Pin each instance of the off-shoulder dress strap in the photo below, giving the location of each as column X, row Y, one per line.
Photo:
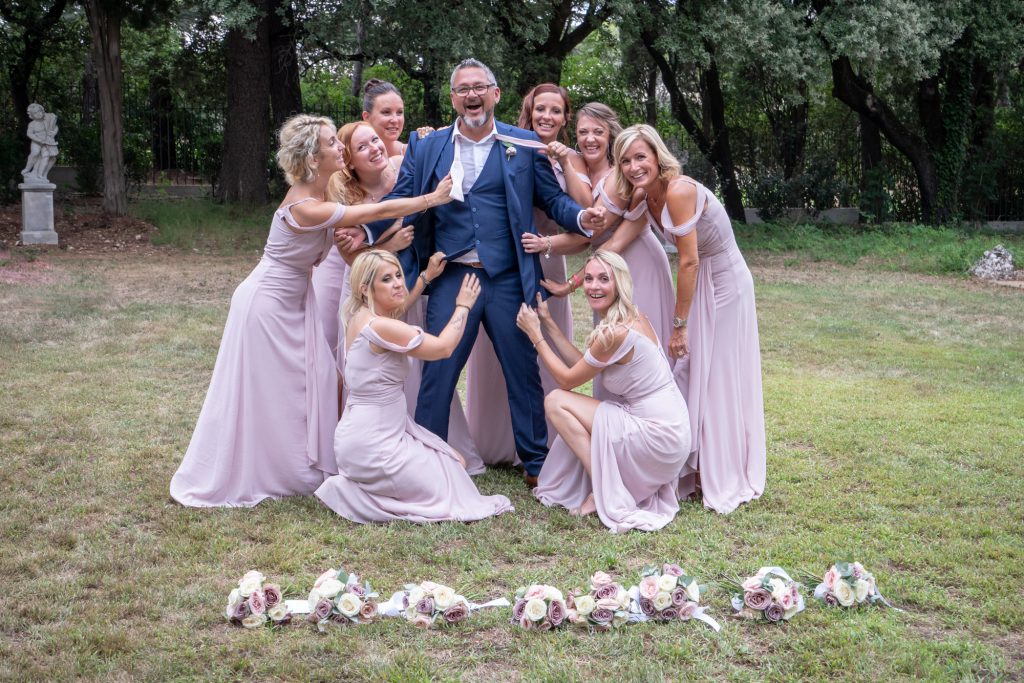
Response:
column 372, row 335
column 286, row 216
column 686, row 227
column 630, row 214
column 624, row 348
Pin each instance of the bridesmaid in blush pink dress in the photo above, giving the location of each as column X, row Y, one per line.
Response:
column 265, row 427
column 546, row 110
column 390, row 468
column 714, row 333
column 620, row 458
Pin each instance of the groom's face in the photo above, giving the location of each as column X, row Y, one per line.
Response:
column 475, row 109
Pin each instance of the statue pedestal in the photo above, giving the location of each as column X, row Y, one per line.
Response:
column 37, row 213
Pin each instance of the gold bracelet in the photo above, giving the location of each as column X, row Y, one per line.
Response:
column 538, row 342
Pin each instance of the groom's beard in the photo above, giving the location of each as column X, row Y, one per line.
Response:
column 479, row 121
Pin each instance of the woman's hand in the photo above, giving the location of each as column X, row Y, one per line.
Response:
column 679, row 343
column 435, row 266
column 535, row 244
column 557, row 288
column 349, row 238
column 469, row 292
column 560, row 153
column 528, row 322
column 424, row 131
column 542, row 310
column 441, row 195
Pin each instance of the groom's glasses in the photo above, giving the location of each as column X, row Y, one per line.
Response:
column 478, row 89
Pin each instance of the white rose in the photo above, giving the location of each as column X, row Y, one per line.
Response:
column 693, row 591
column 428, row 586
column 313, row 599
column 233, row 600
column 410, row 611
column 551, row 593
column 443, row 597
column 254, row 620
column 623, row 598
column 253, row 575
column 662, row 600
column 277, row 612
column 536, row 609
column 249, row 584
column 844, row 594
column 349, row 604
column 415, row 595
column 788, row 614
column 667, row 583
column 779, row 589
column 862, row 589
column 329, row 588
column 585, row 605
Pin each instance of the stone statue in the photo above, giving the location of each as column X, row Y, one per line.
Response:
column 42, row 131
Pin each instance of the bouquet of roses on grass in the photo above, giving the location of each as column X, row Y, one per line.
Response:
column 770, row 593
column 254, row 603
column 340, row 598
column 605, row 606
column 668, row 593
column 539, row 607
column 431, row 603
column 847, row 584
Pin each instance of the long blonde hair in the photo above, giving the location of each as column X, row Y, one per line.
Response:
column 344, row 186
column 622, row 311
column 361, row 275
column 668, row 165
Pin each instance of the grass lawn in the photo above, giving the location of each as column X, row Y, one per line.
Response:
column 895, row 416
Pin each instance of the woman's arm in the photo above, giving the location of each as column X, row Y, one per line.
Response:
column 563, row 346
column 316, row 213
column 568, row 378
column 681, row 200
column 562, row 244
column 571, row 167
column 618, row 242
column 435, row 266
column 441, row 346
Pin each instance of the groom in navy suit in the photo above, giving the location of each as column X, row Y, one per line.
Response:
column 498, row 180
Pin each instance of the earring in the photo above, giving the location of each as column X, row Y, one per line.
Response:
column 577, row 148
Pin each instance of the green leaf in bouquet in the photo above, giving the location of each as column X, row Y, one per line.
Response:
column 649, row 570
column 520, row 592
column 845, row 569
column 342, row 576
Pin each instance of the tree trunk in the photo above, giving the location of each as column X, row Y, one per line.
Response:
column 720, row 153
column 106, row 44
column 431, row 100
column 357, row 67
column 872, row 185
column 651, row 100
column 243, row 178
column 285, row 91
column 161, row 109
column 90, row 91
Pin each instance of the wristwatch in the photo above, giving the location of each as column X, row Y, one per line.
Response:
column 678, row 323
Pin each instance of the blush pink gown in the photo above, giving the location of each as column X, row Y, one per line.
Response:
column 639, row 444
column 390, row 468
column 265, row 429
column 721, row 376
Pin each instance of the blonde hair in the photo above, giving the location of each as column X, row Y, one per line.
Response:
column 605, row 115
column 622, row 311
column 298, row 142
column 668, row 165
column 344, row 186
column 362, row 274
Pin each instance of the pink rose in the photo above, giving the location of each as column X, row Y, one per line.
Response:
column 517, row 610
column 599, row 579
column 535, row 592
column 678, row 597
column 757, row 599
column 368, row 611
column 787, row 600
column 544, row 625
column 556, row 612
column 323, row 609
column 672, row 569
column 752, row 583
column 526, row 623
column 608, row 590
column 421, row 621
column 649, row 587
column 570, row 599
column 456, row 613
column 687, row 610
column 831, row 576
column 774, row 612
column 271, row 594
column 329, row 574
column 257, row 603
column 647, row 607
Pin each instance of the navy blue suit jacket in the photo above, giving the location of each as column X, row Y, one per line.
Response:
column 529, row 182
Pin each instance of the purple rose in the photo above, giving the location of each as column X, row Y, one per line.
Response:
column 425, row 606
column 257, row 603
column 368, row 611
column 271, row 594
column 669, row 614
column 758, row 599
column 672, row 569
column 647, row 607
column 678, row 597
column 323, row 609
column 602, row 615
column 831, row 600
column 545, row 625
column 774, row 612
column 517, row 610
column 556, row 612
column 570, row 599
column 687, row 610
column 340, row 619
column 357, row 590
column 241, row 611
column 456, row 613
column 526, row 623
column 405, row 600
column 609, row 590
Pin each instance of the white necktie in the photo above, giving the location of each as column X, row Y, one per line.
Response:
column 458, row 173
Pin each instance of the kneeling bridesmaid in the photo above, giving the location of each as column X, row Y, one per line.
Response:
column 621, row 458
column 389, row 467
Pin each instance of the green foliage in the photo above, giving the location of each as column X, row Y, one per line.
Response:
column 203, row 224
column 81, row 147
